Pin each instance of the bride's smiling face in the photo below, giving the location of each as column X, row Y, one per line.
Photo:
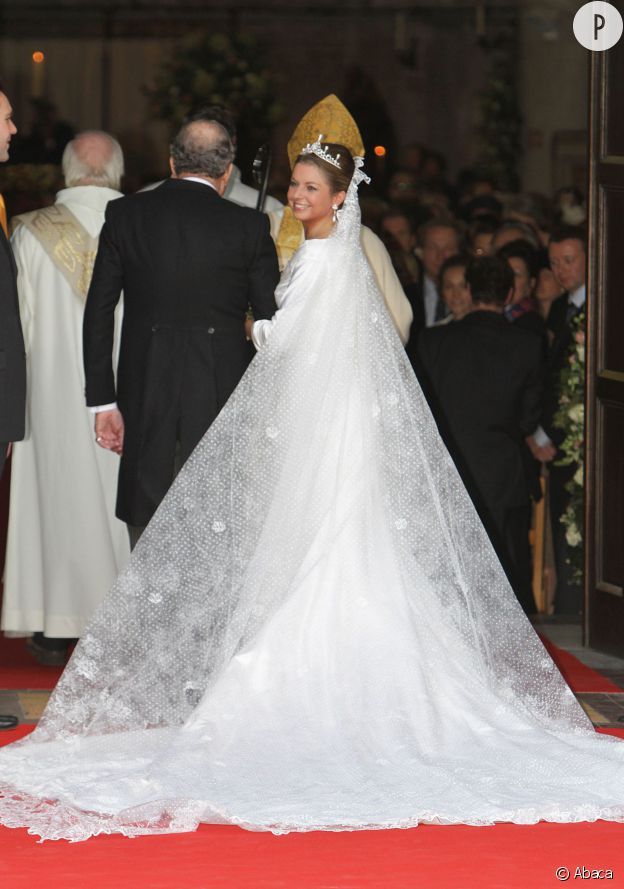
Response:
column 310, row 196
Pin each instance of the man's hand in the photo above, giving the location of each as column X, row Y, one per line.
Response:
column 109, row 430
column 544, row 453
column 249, row 323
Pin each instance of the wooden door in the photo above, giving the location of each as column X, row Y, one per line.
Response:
column 604, row 514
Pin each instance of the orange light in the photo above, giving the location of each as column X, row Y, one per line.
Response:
column 379, row 150
column 38, row 57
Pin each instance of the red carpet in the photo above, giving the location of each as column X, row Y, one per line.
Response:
column 505, row 857
column 18, row 668
column 501, row 857
column 579, row 677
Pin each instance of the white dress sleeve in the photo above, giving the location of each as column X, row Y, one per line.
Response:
column 260, row 332
column 291, row 288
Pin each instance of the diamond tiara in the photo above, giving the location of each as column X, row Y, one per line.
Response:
column 317, row 149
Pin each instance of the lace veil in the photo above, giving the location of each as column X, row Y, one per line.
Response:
column 226, row 544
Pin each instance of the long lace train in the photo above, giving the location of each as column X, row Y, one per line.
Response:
column 314, row 631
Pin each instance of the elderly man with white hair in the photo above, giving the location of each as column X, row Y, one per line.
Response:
column 65, row 545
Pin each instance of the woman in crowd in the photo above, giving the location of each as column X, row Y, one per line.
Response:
column 522, row 310
column 454, row 289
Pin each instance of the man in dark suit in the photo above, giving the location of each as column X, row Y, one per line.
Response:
column 438, row 239
column 12, row 358
column 483, row 378
column 567, row 255
column 189, row 264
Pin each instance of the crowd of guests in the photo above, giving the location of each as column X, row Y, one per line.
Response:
column 511, row 269
column 490, row 284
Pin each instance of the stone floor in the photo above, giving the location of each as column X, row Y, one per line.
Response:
column 26, row 704
column 604, row 710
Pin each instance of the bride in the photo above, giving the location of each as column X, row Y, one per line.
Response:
column 314, row 631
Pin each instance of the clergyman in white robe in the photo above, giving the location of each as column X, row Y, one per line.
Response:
column 65, row 546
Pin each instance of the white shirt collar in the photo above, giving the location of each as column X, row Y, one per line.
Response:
column 95, row 197
column 577, row 297
column 430, row 297
column 202, row 181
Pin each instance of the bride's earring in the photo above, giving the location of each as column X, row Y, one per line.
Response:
column 335, row 213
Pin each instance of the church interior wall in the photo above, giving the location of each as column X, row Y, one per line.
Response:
column 417, row 92
column 428, row 74
column 553, row 88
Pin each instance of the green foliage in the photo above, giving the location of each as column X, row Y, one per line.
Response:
column 500, row 127
column 571, row 419
column 217, row 69
column 30, row 178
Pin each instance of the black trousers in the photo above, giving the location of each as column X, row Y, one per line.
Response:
column 135, row 531
column 516, row 557
column 508, row 530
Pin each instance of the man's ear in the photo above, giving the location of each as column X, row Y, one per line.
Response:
column 221, row 183
column 174, row 175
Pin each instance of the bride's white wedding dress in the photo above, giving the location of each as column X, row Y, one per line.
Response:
column 314, row 631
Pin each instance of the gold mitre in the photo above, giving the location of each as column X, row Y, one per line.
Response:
column 331, row 118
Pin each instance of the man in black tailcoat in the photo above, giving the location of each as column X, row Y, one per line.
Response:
column 483, row 378
column 189, row 264
column 567, row 256
column 12, row 358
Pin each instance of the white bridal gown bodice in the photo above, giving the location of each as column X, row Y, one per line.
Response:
column 314, row 631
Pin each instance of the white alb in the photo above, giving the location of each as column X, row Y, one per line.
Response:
column 65, row 547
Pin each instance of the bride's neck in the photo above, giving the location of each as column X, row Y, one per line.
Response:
column 320, row 228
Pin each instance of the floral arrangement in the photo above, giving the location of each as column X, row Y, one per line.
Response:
column 571, row 419
column 30, row 178
column 217, row 69
column 500, row 125
column 28, row 187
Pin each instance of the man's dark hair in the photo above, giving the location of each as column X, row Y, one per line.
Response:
column 481, row 206
column 483, row 225
column 521, row 249
column 459, row 261
column 203, row 147
column 218, row 113
column 569, row 233
column 395, row 212
column 490, row 279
